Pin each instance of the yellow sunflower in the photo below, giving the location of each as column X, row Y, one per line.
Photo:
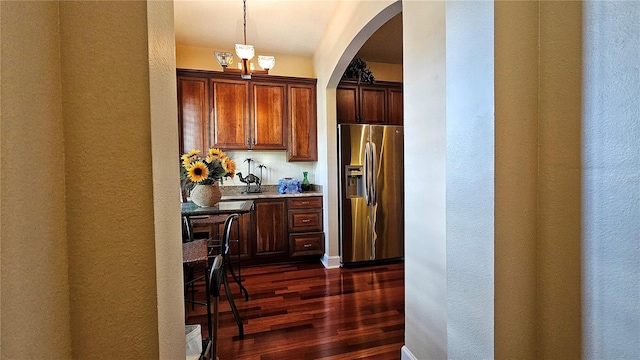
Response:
column 190, row 156
column 216, row 153
column 230, row 166
column 198, row 171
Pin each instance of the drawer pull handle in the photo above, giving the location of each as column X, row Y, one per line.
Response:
column 306, row 220
column 305, row 203
column 307, row 245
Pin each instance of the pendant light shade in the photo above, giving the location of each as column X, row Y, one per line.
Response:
column 266, row 62
column 224, row 58
column 245, row 52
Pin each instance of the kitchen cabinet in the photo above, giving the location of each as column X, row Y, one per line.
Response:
column 217, row 109
column 305, row 226
column 373, row 104
column 268, row 121
column 377, row 103
column 193, row 107
column 238, row 126
column 302, row 123
column 396, row 106
column 270, row 233
column 229, row 114
column 347, row 104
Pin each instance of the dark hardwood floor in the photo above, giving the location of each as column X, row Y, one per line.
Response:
column 304, row 311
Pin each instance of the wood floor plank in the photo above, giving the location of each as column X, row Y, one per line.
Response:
column 304, row 311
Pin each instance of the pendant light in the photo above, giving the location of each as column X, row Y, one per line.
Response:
column 245, row 52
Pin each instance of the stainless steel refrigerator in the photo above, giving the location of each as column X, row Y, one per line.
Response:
column 371, row 193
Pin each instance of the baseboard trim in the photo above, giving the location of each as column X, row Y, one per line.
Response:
column 331, row 262
column 406, row 354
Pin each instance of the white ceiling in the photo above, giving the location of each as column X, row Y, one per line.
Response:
column 274, row 27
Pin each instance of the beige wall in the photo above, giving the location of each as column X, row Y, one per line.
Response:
column 79, row 247
column 538, row 87
column 385, row 72
column 35, row 295
column 164, row 143
column 559, row 181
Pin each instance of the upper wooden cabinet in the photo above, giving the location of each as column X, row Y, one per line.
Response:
column 268, row 121
column 229, row 114
column 396, row 112
column 302, row 123
column 378, row 103
column 268, row 112
column 193, row 108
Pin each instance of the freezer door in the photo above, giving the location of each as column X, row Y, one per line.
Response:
column 387, row 209
column 355, row 232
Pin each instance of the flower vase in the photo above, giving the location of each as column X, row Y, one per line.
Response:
column 305, row 182
column 206, row 195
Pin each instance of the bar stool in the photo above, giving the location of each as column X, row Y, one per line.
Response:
column 195, row 257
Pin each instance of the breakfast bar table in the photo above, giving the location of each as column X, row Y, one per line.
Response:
column 229, row 208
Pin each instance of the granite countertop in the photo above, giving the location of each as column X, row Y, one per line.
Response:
column 268, row 192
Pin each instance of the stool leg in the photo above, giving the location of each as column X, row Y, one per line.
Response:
column 208, row 301
column 236, row 315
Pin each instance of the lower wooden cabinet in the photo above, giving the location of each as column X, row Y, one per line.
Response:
column 281, row 230
column 270, row 227
column 305, row 226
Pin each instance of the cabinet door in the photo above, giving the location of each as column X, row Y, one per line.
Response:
column 268, row 112
column 193, row 113
column 396, row 111
column 271, row 227
column 373, row 105
column 302, row 123
column 347, row 98
column 230, row 114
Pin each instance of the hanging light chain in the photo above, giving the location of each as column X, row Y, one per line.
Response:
column 244, row 9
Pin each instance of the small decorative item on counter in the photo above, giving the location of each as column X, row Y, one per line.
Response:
column 289, row 186
column 305, row 182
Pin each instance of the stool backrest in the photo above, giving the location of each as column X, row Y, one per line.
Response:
column 215, row 276
column 226, row 232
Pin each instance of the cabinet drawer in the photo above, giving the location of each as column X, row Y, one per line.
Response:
column 306, row 244
column 305, row 202
column 305, row 220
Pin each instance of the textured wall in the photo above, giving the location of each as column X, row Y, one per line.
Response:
column 110, row 218
column 558, row 247
column 35, row 297
column 470, row 179
column 426, row 186
column 516, row 134
column 611, row 180
column 164, row 145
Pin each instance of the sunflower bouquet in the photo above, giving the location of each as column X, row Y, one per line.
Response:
column 199, row 170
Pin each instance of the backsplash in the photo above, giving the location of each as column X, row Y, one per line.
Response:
column 276, row 167
column 237, row 190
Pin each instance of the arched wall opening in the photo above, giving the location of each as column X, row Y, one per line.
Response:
column 353, row 23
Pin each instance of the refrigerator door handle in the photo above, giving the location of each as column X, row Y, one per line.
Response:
column 367, row 185
column 374, row 170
